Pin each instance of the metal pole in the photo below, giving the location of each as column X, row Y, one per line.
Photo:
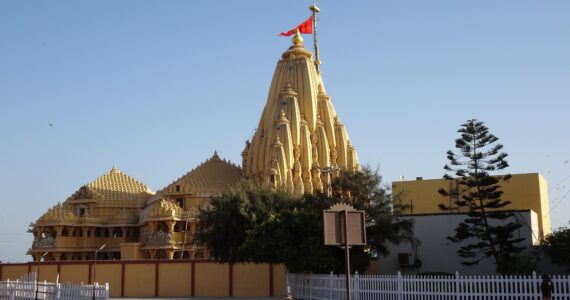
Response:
column 94, row 267
column 346, row 256
column 94, row 272
column 38, row 277
column 315, row 10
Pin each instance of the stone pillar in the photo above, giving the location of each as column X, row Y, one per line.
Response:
column 56, row 255
column 84, row 231
column 58, row 230
column 170, row 254
column 125, row 232
column 170, row 225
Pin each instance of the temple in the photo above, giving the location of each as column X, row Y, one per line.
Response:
column 300, row 145
column 102, row 212
column 300, row 142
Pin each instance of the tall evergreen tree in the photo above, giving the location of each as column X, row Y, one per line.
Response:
column 486, row 232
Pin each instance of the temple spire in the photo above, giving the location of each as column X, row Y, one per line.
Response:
column 298, row 39
column 315, row 9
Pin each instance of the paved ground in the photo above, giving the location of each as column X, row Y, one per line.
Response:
column 210, row 298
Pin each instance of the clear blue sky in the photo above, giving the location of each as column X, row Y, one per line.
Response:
column 154, row 87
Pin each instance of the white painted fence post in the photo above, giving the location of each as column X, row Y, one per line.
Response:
column 457, row 285
column 534, row 287
column 310, row 287
column 107, row 291
column 12, row 290
column 400, row 286
column 331, row 285
column 356, row 289
column 56, row 291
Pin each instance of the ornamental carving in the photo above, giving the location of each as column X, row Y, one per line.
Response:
column 45, row 242
column 159, row 238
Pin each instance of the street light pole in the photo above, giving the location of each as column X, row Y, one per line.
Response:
column 94, row 267
column 330, row 170
column 38, row 277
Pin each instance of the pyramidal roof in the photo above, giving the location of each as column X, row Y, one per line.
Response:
column 300, row 141
column 113, row 189
column 112, row 186
column 211, row 178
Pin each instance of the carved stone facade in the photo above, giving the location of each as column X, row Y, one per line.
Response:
column 121, row 213
column 300, row 142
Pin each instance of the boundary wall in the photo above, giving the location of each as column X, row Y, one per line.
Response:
column 161, row 278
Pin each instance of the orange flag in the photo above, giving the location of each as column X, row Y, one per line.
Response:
column 305, row 27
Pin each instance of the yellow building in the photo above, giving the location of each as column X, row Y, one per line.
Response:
column 525, row 191
column 300, row 145
column 168, row 222
column 102, row 212
column 121, row 213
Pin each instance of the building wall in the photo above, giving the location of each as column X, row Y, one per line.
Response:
column 437, row 254
column 162, row 278
column 525, row 191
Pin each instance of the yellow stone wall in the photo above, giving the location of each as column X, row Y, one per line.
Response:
column 13, row 272
column 139, row 280
column 211, row 279
column 175, row 280
column 214, row 281
column 74, row 274
column 248, row 278
column 525, row 191
column 111, row 273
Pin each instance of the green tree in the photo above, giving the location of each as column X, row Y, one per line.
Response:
column 224, row 225
column 557, row 246
column 284, row 230
column 486, row 232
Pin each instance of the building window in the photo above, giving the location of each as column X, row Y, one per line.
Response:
column 177, row 188
column 81, row 211
column 180, row 202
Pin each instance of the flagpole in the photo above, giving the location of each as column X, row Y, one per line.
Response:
column 315, row 9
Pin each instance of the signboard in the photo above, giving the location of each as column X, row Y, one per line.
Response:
column 334, row 226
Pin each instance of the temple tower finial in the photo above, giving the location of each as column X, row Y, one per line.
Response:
column 315, row 9
column 298, row 39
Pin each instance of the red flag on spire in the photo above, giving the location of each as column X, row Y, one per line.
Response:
column 305, row 27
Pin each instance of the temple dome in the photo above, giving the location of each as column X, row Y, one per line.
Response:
column 300, row 141
column 211, row 178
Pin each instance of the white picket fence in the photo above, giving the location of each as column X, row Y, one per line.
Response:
column 28, row 290
column 412, row 287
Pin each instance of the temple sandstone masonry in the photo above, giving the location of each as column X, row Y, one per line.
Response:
column 300, row 145
column 300, row 142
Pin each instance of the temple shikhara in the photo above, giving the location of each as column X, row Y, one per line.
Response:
column 299, row 145
column 300, row 141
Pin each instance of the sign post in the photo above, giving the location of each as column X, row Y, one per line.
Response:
column 344, row 226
